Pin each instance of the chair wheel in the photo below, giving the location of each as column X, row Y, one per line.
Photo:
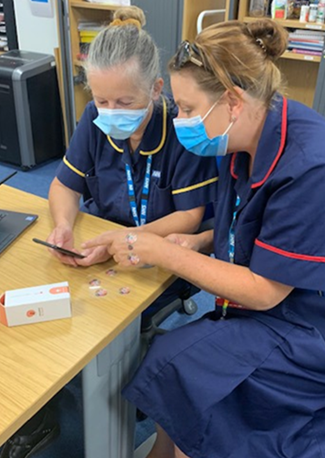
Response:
column 189, row 307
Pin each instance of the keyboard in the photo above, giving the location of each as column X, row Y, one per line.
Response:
column 5, row 239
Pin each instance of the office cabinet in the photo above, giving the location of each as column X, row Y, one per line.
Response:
column 221, row 10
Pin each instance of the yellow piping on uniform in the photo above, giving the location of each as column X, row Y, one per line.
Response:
column 195, row 186
column 164, row 130
column 67, row 163
column 120, row 150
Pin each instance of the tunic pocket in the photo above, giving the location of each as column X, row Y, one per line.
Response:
column 92, row 191
column 161, row 202
column 245, row 236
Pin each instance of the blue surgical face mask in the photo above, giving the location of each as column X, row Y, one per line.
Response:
column 119, row 123
column 192, row 135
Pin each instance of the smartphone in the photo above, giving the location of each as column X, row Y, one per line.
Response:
column 59, row 249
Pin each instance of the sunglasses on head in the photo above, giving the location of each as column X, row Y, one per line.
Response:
column 187, row 52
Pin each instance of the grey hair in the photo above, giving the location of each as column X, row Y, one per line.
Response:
column 117, row 45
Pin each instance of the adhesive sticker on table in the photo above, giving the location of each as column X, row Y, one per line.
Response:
column 94, row 283
column 111, row 272
column 101, row 292
column 124, row 290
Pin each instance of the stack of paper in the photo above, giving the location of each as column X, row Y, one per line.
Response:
column 87, row 32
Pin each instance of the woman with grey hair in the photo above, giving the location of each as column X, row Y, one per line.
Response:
column 124, row 156
column 126, row 162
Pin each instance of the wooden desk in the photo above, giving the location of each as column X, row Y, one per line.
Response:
column 102, row 338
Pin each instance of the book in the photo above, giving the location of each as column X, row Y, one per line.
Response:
column 306, row 52
column 305, row 40
column 304, row 46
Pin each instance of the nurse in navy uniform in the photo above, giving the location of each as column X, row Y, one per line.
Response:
column 124, row 158
column 248, row 379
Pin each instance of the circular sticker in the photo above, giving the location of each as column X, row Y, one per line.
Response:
column 94, row 283
column 125, row 290
column 101, row 292
column 111, row 272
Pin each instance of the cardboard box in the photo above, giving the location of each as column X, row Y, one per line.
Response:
column 35, row 304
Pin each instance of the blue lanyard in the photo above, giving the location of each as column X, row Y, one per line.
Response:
column 231, row 251
column 144, row 195
column 231, row 241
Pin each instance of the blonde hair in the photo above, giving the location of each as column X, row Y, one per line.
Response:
column 129, row 15
column 236, row 54
column 124, row 41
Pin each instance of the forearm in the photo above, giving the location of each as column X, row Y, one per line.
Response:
column 64, row 204
column 230, row 281
column 186, row 222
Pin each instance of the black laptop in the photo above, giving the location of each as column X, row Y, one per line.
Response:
column 12, row 224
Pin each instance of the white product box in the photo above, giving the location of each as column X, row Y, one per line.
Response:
column 35, row 304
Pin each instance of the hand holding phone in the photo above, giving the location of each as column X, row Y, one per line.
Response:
column 59, row 249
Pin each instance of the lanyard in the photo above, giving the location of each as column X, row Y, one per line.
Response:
column 231, row 239
column 231, row 248
column 144, row 195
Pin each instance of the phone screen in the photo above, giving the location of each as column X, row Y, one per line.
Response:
column 59, row 249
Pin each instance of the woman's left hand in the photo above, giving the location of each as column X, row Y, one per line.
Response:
column 129, row 247
column 93, row 256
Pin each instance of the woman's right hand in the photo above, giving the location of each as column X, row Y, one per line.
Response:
column 190, row 241
column 62, row 236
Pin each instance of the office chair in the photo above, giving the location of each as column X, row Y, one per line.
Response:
column 150, row 325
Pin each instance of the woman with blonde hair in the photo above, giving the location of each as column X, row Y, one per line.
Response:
column 248, row 379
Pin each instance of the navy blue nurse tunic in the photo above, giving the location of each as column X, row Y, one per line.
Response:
column 253, row 385
column 94, row 166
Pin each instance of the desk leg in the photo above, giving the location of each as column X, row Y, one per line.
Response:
column 109, row 420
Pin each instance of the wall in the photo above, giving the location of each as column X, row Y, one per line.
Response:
column 37, row 34
column 164, row 23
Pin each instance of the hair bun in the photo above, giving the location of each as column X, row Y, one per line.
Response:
column 269, row 36
column 129, row 15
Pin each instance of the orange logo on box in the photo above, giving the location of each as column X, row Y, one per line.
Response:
column 59, row 290
column 30, row 313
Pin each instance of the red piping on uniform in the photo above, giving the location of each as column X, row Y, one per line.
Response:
column 232, row 166
column 282, row 143
column 288, row 254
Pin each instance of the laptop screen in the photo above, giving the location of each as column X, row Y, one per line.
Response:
column 12, row 223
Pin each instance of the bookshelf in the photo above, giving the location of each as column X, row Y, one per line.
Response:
column 300, row 70
column 3, row 34
column 82, row 11
column 8, row 32
column 191, row 11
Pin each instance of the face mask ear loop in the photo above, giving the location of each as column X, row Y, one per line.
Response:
column 233, row 119
column 207, row 114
